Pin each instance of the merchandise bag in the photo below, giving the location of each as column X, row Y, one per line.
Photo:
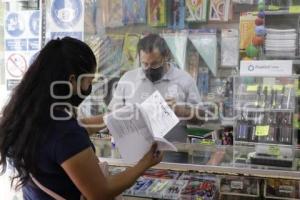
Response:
column 111, row 51
column 230, row 48
column 129, row 52
column 177, row 43
column 247, row 29
column 192, row 61
column 205, row 41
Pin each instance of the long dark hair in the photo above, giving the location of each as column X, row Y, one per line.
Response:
column 27, row 114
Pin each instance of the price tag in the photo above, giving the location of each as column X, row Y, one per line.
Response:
column 207, row 142
column 296, row 85
column 296, row 121
column 273, row 8
column 237, row 185
column 252, row 88
column 294, row 9
column 290, row 86
column 274, row 150
column 278, row 87
column 268, row 86
column 262, row 130
column 275, row 87
column 287, row 189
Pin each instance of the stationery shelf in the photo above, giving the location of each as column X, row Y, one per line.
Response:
column 280, row 12
column 268, row 131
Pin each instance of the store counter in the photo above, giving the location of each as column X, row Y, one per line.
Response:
column 207, row 159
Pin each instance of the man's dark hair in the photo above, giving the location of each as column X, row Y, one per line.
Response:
column 152, row 42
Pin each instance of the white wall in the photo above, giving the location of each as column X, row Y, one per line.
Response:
column 6, row 192
column 4, row 95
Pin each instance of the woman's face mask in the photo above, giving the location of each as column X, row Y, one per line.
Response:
column 85, row 89
column 77, row 99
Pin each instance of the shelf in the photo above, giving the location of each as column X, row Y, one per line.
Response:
column 252, row 144
column 280, row 12
column 230, row 122
column 263, row 110
column 295, row 59
column 223, row 166
column 246, row 170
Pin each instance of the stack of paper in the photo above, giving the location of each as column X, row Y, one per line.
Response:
column 135, row 127
column 281, row 42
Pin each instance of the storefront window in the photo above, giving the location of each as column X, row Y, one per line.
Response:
column 237, row 60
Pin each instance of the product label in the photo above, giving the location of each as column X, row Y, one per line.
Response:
column 236, row 185
column 287, row 189
column 294, row 9
column 207, row 142
column 278, row 87
column 266, row 68
column 274, row 150
column 273, row 8
column 262, row 130
column 296, row 86
column 289, row 86
column 296, row 121
column 252, row 88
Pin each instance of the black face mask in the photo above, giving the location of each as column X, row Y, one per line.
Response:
column 154, row 74
column 76, row 99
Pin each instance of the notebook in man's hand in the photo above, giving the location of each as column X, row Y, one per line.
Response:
column 135, row 127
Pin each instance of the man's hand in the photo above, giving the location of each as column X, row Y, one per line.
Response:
column 179, row 109
column 185, row 111
column 171, row 102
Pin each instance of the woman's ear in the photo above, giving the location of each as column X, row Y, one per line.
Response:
column 73, row 82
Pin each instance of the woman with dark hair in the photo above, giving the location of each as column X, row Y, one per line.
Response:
column 51, row 154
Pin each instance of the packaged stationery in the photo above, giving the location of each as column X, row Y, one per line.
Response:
column 112, row 13
column 219, row 10
column 134, row 11
column 157, row 13
column 111, row 55
column 196, row 10
column 176, row 14
column 247, row 29
column 129, row 52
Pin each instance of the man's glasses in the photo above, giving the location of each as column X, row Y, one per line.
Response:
column 152, row 66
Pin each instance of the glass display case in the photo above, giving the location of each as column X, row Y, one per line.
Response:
column 239, row 186
column 260, row 113
column 264, row 132
column 281, row 189
column 219, row 174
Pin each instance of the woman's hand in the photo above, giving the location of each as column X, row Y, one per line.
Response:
column 152, row 158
